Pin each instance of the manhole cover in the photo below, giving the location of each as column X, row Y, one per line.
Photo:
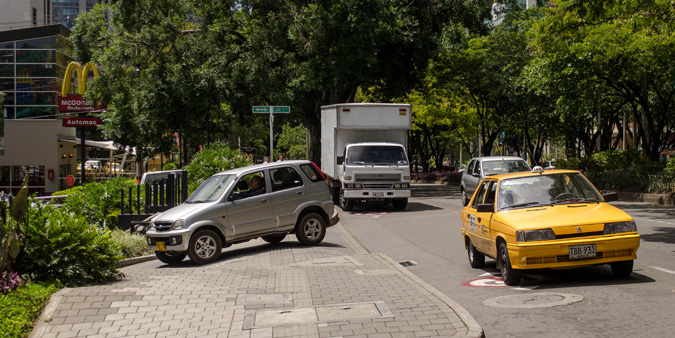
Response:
column 317, row 314
column 533, row 301
column 330, row 261
column 407, row 263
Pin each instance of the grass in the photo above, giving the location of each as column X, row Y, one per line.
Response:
column 22, row 306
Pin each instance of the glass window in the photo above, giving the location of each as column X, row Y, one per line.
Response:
column 9, row 111
column 39, row 85
column 285, row 178
column 24, row 112
column 65, row 48
column 480, row 195
column 7, row 70
column 546, row 190
column 7, row 45
column 35, row 56
column 377, row 155
column 44, row 70
column 33, row 98
column 41, row 43
column 312, row 172
column 476, row 168
column 63, row 60
column 469, row 168
column 6, row 84
column 6, row 56
column 211, row 189
column 249, row 186
column 504, row 167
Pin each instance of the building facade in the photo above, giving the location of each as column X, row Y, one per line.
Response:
column 17, row 14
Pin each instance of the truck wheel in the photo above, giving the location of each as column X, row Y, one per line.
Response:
column 170, row 257
column 311, row 229
column 400, row 203
column 205, row 247
column 346, row 204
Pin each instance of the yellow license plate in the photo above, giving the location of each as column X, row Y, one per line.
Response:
column 160, row 246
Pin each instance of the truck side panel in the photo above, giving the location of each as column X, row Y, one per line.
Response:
column 328, row 139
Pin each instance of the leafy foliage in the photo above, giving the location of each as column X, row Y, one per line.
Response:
column 292, row 142
column 211, row 160
column 98, row 202
column 22, row 306
column 60, row 245
column 131, row 245
column 11, row 216
column 10, row 281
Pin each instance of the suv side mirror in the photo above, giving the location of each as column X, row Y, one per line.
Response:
column 340, row 159
column 485, row 208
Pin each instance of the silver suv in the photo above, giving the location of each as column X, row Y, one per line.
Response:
column 480, row 167
column 266, row 200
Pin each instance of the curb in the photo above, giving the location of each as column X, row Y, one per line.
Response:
column 46, row 316
column 474, row 329
column 135, row 260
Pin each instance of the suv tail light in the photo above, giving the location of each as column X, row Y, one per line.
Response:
column 319, row 170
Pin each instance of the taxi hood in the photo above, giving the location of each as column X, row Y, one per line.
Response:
column 561, row 215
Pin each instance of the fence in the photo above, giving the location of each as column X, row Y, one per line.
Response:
column 633, row 181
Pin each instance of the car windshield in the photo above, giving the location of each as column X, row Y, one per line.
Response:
column 504, row 167
column 539, row 190
column 211, row 189
column 376, row 155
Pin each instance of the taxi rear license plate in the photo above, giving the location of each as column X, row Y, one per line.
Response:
column 582, row 251
column 160, row 246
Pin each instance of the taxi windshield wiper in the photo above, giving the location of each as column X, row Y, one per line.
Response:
column 521, row 205
column 573, row 200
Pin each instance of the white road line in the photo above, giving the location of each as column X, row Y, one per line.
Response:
column 662, row 269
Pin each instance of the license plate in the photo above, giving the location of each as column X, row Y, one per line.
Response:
column 160, row 246
column 378, row 194
column 582, row 251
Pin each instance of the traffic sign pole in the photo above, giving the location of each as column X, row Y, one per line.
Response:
column 271, row 110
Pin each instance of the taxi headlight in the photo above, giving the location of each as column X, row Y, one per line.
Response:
column 534, row 235
column 177, row 225
column 619, row 227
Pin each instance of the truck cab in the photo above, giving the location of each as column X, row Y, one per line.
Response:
column 374, row 172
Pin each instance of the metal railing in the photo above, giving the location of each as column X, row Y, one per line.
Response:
column 633, row 181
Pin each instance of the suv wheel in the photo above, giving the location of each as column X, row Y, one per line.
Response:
column 311, row 229
column 205, row 247
column 170, row 257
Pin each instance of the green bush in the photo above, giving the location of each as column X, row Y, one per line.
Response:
column 670, row 167
column 131, row 245
column 213, row 159
column 22, row 306
column 63, row 246
column 99, row 202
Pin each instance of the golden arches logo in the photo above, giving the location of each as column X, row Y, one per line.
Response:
column 82, row 77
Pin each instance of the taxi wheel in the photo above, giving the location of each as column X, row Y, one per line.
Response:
column 476, row 258
column 510, row 275
column 205, row 247
column 170, row 257
column 274, row 239
column 622, row 269
column 347, row 204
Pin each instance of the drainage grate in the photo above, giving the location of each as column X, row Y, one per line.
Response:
column 407, row 263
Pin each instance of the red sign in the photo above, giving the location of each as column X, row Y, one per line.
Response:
column 81, row 121
column 70, row 180
column 76, row 103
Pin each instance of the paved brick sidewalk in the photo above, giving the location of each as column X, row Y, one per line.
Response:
column 256, row 289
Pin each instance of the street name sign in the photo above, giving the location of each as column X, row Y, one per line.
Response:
column 271, row 109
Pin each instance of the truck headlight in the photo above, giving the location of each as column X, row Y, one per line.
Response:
column 406, row 178
column 535, row 235
column 347, row 178
column 177, row 225
column 619, row 227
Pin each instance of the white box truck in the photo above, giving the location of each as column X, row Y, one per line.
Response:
column 363, row 152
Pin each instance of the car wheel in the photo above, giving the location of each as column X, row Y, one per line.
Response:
column 347, row 204
column 510, row 275
column 622, row 269
column 170, row 257
column 274, row 239
column 205, row 247
column 311, row 229
column 464, row 199
column 400, row 203
column 476, row 258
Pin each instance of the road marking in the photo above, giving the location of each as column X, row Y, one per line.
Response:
column 662, row 269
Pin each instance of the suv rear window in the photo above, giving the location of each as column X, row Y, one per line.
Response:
column 312, row 172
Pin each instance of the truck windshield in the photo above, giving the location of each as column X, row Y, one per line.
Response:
column 211, row 189
column 376, row 155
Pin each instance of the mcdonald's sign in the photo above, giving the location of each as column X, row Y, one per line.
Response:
column 75, row 102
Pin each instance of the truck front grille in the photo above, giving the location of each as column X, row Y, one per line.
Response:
column 377, row 177
column 378, row 186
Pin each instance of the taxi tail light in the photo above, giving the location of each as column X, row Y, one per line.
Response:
column 620, row 227
column 535, row 235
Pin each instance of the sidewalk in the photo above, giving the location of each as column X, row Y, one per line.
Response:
column 336, row 289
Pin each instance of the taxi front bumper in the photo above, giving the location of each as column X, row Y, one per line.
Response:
column 556, row 254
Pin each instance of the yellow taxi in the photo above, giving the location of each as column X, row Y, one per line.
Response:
column 546, row 219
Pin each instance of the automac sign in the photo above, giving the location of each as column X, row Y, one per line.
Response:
column 75, row 102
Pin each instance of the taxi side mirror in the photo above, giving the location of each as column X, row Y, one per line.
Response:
column 485, row 208
column 610, row 196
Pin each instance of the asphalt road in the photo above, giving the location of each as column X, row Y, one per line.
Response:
column 585, row 302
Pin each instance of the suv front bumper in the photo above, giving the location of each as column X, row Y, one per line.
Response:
column 174, row 241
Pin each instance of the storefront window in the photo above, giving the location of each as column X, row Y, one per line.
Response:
column 7, row 45
column 24, row 112
column 45, row 70
column 41, row 43
column 32, row 98
column 6, row 56
column 64, row 47
column 6, row 85
column 35, row 56
column 7, row 70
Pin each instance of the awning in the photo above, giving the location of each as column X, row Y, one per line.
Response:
column 98, row 144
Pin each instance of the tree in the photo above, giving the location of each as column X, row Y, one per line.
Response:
column 292, row 142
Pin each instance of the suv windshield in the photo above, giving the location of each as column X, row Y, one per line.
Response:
column 211, row 189
column 376, row 155
column 546, row 190
column 504, row 167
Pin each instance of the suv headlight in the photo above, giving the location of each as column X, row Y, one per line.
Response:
column 177, row 225
column 535, row 235
column 619, row 227
column 151, row 226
